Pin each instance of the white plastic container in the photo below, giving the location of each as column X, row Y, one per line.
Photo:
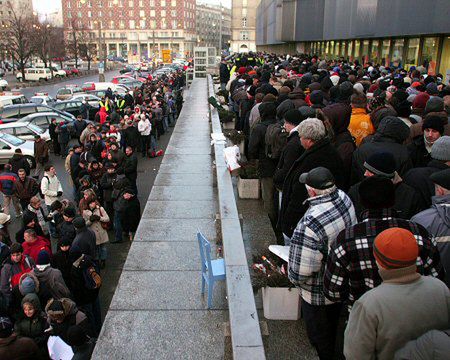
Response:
column 248, row 188
column 281, row 303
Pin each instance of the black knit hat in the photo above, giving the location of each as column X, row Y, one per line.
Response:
column 381, row 163
column 79, row 222
column 377, row 192
column 441, row 178
column 16, row 248
column 316, row 97
column 306, row 112
column 433, row 122
column 293, row 117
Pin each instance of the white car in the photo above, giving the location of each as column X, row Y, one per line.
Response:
column 43, row 99
column 24, row 131
column 9, row 144
column 58, row 73
column 90, row 99
column 3, row 84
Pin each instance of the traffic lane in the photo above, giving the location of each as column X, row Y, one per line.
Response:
column 51, row 89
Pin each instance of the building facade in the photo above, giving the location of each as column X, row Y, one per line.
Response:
column 141, row 28
column 388, row 32
column 22, row 8
column 213, row 25
column 243, row 25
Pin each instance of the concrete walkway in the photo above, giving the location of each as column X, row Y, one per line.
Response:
column 157, row 311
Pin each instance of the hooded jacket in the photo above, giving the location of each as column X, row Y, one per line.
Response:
column 52, row 284
column 12, row 272
column 437, row 221
column 297, row 96
column 390, row 136
column 32, row 327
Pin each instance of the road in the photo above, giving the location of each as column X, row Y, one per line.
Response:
column 147, row 171
column 51, row 89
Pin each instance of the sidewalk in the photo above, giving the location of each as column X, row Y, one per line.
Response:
column 157, row 311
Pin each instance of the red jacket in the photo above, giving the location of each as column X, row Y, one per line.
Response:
column 33, row 249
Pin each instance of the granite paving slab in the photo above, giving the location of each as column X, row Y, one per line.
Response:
column 171, row 179
column 182, row 193
column 196, row 209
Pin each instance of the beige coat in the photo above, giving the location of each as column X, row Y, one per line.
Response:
column 100, row 233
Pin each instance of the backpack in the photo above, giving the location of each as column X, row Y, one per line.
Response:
column 275, row 140
column 90, row 271
column 40, row 186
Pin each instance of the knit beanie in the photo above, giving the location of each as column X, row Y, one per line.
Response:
column 395, row 248
column 432, row 89
column 377, row 192
column 420, row 101
column 381, row 163
column 306, row 112
column 358, row 88
column 43, row 258
column 433, row 122
column 27, row 286
column 293, row 117
column 441, row 178
column 316, row 97
column 79, row 223
column 441, row 149
column 434, row 104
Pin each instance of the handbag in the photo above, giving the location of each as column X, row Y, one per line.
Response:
column 105, row 225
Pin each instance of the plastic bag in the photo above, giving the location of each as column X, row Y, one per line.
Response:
column 232, row 157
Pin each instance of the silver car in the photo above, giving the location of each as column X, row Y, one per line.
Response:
column 9, row 144
column 25, row 131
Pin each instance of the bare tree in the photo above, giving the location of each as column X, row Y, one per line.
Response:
column 58, row 48
column 19, row 30
column 73, row 40
column 42, row 42
column 89, row 52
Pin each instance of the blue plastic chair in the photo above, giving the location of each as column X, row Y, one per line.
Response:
column 212, row 270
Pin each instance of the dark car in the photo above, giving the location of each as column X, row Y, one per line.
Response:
column 21, row 110
column 73, row 107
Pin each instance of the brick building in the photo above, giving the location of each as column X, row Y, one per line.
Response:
column 135, row 27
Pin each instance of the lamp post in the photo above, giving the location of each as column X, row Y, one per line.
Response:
column 102, row 58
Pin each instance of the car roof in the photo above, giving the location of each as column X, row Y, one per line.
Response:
column 25, row 105
column 43, row 113
column 14, row 124
column 68, row 101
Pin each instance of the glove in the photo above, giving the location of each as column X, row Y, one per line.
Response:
column 59, row 193
column 94, row 218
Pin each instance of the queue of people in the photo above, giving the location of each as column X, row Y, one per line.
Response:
column 354, row 162
column 51, row 268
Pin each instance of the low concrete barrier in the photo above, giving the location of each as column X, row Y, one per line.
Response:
column 246, row 339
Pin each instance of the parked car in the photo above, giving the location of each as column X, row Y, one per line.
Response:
column 43, row 99
column 12, row 98
column 71, row 63
column 44, row 119
column 22, row 110
column 3, row 84
column 66, row 92
column 9, row 144
column 126, row 69
column 88, row 86
column 92, row 100
column 73, row 71
column 25, row 131
column 35, row 74
column 73, row 107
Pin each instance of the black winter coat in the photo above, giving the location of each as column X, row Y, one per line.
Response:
column 390, row 136
column 419, row 179
column 129, row 167
column 224, row 73
column 61, row 261
column 294, row 192
column 407, row 200
column 257, row 149
column 107, row 184
column 68, row 231
column 131, row 136
column 291, row 152
column 18, row 161
column 419, row 155
column 130, row 211
column 84, row 242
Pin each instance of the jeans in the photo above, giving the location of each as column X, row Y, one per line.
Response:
column 63, row 150
column 94, row 315
column 321, row 326
column 153, row 143
column 172, row 119
column 117, row 226
column 39, row 171
column 165, row 123
column 102, row 251
column 145, row 144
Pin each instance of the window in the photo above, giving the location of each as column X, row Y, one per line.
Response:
column 174, row 24
column 142, row 24
column 163, row 23
column 69, row 15
column 385, row 50
column 152, row 3
column 163, row 13
column 173, row 3
column 78, row 4
column 244, row 35
column 68, row 5
column 130, row 13
column 100, row 13
column 79, row 14
column 244, row 12
column 23, row 131
column 110, row 3
column 120, row 3
column 244, row 22
column 89, row 4
column 152, row 24
column 244, row 3
column 429, row 50
column 132, row 24
column 121, row 24
column 141, row 13
column 152, row 13
column 141, row 3
column 173, row 13
column 163, row 3
column 111, row 24
column 41, row 121
column 100, row 4
column 412, row 54
column 131, row 3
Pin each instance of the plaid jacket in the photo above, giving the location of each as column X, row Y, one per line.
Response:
column 351, row 269
column 325, row 218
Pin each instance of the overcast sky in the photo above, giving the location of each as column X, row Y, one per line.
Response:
column 49, row 6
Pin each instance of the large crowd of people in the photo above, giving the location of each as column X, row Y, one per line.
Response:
column 51, row 268
column 354, row 163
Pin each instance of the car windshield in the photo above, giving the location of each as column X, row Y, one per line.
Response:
column 11, row 139
column 35, row 128
column 37, row 100
column 64, row 92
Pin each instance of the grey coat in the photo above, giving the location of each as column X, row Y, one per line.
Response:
column 437, row 221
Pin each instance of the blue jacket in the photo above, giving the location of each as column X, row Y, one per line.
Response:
column 7, row 180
